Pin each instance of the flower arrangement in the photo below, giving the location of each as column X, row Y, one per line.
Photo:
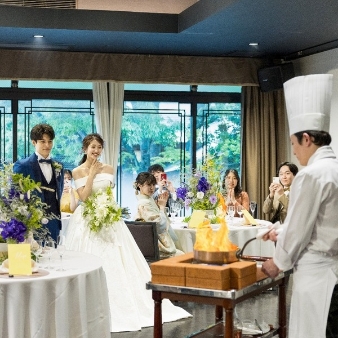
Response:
column 100, row 210
column 22, row 212
column 57, row 167
column 202, row 187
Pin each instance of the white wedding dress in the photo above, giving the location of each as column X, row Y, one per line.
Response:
column 127, row 272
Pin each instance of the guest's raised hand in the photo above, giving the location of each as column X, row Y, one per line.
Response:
column 162, row 199
column 170, row 186
column 280, row 189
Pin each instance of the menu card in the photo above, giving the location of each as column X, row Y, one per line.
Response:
column 19, row 258
column 197, row 217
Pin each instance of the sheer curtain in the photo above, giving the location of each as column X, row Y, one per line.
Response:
column 264, row 141
column 108, row 105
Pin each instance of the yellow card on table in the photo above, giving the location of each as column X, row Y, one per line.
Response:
column 19, row 259
column 248, row 219
column 197, row 218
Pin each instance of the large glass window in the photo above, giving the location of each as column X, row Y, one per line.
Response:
column 176, row 128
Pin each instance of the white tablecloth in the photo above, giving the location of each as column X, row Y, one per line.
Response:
column 238, row 234
column 62, row 304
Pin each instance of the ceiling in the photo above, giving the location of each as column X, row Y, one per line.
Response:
column 283, row 29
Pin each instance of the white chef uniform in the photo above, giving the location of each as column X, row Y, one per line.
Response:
column 309, row 242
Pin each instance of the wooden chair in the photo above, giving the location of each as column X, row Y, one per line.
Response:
column 145, row 235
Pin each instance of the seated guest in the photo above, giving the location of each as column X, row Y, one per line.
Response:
column 278, row 199
column 70, row 198
column 234, row 195
column 162, row 184
column 149, row 211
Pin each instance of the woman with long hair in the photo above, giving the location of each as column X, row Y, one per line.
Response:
column 127, row 272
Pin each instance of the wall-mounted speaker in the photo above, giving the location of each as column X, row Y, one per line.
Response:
column 272, row 78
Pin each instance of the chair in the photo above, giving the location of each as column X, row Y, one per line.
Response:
column 145, row 235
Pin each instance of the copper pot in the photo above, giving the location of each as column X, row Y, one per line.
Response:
column 215, row 257
column 225, row 257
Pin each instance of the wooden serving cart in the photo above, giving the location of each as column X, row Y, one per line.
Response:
column 223, row 300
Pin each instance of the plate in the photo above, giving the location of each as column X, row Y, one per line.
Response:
column 263, row 222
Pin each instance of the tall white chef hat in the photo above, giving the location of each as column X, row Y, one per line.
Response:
column 308, row 102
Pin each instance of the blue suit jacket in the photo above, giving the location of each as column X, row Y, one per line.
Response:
column 30, row 166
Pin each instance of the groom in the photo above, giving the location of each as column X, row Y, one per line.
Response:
column 49, row 173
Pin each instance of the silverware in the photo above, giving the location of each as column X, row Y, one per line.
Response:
column 256, row 321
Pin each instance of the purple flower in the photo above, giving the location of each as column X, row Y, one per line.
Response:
column 203, row 185
column 13, row 229
column 213, row 199
column 187, row 203
column 181, row 192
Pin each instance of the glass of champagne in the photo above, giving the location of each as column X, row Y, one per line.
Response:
column 61, row 248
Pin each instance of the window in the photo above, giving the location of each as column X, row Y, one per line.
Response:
column 170, row 125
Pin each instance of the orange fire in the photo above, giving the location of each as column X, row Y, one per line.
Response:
column 209, row 240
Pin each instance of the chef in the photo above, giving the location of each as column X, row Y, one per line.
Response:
column 308, row 243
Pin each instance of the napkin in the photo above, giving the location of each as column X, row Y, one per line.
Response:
column 5, row 266
column 248, row 219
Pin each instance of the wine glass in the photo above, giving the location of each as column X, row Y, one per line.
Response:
column 253, row 207
column 61, row 248
column 240, row 210
column 49, row 250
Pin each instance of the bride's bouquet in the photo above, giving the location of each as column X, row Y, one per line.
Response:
column 101, row 211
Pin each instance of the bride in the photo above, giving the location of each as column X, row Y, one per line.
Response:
column 127, row 272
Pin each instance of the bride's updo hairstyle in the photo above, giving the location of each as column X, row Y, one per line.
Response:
column 143, row 178
column 87, row 141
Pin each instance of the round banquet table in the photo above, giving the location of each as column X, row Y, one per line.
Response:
column 60, row 304
column 238, row 234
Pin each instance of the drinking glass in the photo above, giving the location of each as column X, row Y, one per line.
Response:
column 231, row 212
column 240, row 210
column 175, row 208
column 253, row 207
column 49, row 250
column 167, row 211
column 61, row 248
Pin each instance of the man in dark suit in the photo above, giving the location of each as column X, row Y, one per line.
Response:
column 41, row 168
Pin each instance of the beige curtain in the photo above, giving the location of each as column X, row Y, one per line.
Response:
column 108, row 105
column 264, row 142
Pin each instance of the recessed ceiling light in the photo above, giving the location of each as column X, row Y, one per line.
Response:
column 38, row 36
column 253, row 44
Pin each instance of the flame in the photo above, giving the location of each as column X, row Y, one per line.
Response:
column 222, row 202
column 213, row 241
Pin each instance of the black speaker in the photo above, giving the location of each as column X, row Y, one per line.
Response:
column 272, row 78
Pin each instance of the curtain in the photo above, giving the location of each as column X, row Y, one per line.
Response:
column 75, row 66
column 264, row 141
column 108, row 106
